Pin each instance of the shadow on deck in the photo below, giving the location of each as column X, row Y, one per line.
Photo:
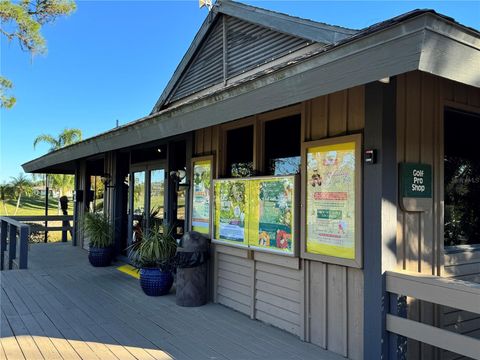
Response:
column 62, row 308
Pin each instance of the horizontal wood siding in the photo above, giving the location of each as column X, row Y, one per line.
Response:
column 233, row 282
column 277, row 296
column 324, row 304
column 421, row 99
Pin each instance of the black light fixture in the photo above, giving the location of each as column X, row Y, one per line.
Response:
column 106, row 179
column 178, row 176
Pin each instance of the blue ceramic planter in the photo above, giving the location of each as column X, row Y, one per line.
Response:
column 155, row 282
column 100, row 257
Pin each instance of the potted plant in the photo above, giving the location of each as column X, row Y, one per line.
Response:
column 153, row 254
column 100, row 232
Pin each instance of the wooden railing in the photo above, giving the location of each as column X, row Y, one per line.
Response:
column 35, row 226
column 17, row 235
column 462, row 295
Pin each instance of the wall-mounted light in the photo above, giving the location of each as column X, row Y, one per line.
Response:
column 178, row 175
column 106, row 179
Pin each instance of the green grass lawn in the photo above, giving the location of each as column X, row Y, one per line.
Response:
column 32, row 206
column 36, row 206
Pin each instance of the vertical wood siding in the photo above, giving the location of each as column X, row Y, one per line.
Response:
column 421, row 99
column 321, row 303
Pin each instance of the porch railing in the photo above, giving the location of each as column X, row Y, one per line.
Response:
column 15, row 234
column 40, row 223
column 458, row 294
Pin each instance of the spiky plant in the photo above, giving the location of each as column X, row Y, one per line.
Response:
column 98, row 228
column 155, row 249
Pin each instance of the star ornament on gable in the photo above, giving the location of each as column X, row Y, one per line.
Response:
column 207, row 3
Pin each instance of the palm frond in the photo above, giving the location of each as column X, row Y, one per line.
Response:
column 48, row 139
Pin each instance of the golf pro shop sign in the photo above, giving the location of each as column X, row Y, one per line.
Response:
column 415, row 187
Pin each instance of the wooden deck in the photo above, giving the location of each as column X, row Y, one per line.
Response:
column 62, row 308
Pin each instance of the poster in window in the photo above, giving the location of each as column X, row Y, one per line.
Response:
column 272, row 214
column 331, row 191
column 231, row 205
column 201, row 199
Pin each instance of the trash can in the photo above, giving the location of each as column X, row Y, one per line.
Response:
column 191, row 261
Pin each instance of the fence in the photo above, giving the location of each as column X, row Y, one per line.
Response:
column 458, row 294
column 15, row 233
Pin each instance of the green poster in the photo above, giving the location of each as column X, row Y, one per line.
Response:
column 231, row 199
column 202, row 172
column 272, row 214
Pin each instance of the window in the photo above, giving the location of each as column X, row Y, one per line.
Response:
column 282, row 146
column 97, row 190
column 240, row 152
column 461, row 178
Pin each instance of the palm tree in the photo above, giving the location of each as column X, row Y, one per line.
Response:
column 60, row 182
column 65, row 138
column 5, row 193
column 20, row 185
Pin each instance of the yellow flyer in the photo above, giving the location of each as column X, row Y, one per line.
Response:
column 202, row 172
column 231, row 211
column 330, row 191
column 271, row 223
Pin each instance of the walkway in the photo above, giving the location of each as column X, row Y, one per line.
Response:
column 63, row 308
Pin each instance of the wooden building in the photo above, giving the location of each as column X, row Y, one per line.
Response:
column 256, row 86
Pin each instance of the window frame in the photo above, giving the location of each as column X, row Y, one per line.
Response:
column 448, row 104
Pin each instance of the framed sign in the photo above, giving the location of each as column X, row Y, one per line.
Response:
column 231, row 211
column 331, row 192
column 259, row 213
column 201, row 195
column 415, row 186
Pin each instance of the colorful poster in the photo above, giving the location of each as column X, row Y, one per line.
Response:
column 330, row 192
column 231, row 202
column 202, row 175
column 272, row 214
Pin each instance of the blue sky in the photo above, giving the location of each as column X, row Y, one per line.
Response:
column 110, row 61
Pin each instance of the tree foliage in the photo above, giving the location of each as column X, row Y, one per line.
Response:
column 22, row 21
column 21, row 185
column 61, row 182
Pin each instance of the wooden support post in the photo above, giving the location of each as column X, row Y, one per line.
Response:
column 393, row 338
column 380, row 213
column 23, row 261
column 3, row 242
column 65, row 225
column 12, row 244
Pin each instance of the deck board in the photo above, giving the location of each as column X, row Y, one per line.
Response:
column 63, row 308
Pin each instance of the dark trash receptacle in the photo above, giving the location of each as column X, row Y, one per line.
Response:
column 191, row 260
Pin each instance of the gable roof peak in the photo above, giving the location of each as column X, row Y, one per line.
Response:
column 308, row 30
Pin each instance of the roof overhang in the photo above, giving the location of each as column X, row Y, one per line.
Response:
column 427, row 42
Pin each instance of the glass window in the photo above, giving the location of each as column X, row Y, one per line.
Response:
column 461, row 178
column 97, row 190
column 157, row 191
column 138, row 204
column 240, row 152
column 282, row 146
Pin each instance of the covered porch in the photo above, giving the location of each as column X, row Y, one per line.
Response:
column 62, row 308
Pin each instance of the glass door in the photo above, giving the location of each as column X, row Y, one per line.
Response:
column 157, row 197
column 147, row 199
column 137, row 194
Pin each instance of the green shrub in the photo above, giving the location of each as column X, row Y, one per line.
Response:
column 155, row 249
column 98, row 229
